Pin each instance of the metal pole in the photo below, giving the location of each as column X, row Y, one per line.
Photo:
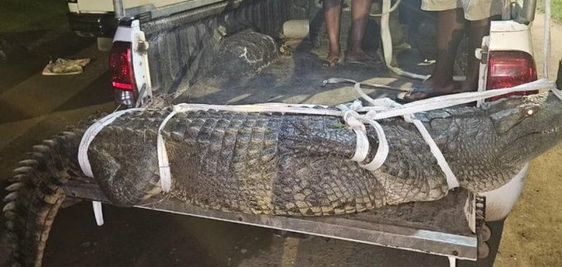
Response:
column 118, row 9
column 527, row 13
column 559, row 79
column 546, row 45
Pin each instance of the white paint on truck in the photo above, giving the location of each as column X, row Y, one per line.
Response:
column 136, row 37
column 500, row 202
column 105, row 6
column 508, row 35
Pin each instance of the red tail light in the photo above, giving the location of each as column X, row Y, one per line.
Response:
column 121, row 67
column 510, row 68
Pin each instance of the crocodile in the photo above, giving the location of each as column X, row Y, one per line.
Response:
column 278, row 164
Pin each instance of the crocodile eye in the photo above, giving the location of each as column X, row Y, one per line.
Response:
column 505, row 120
column 529, row 111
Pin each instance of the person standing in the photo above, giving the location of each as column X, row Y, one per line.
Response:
column 452, row 17
column 360, row 14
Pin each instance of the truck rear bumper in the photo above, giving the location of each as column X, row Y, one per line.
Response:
column 438, row 227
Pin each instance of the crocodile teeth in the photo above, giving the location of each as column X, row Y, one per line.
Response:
column 10, row 196
column 9, row 206
column 14, row 186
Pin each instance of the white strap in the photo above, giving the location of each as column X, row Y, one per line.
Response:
column 381, row 108
column 91, row 133
column 446, row 101
column 362, row 144
column 452, row 261
column 357, row 123
column 262, row 108
column 386, row 38
column 98, row 212
column 382, row 150
column 83, row 159
column 381, row 155
column 163, row 163
column 452, row 181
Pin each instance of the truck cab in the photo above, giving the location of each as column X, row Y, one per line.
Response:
column 92, row 18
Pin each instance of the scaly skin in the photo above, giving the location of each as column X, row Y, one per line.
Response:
column 35, row 196
column 299, row 165
column 279, row 164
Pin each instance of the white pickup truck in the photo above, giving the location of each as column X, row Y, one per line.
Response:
column 169, row 50
column 96, row 18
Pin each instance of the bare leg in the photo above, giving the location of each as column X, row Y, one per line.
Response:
column 450, row 33
column 478, row 29
column 360, row 10
column 332, row 12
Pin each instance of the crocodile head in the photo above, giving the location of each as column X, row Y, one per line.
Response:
column 488, row 146
column 527, row 126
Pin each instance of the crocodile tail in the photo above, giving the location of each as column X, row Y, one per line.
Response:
column 35, row 195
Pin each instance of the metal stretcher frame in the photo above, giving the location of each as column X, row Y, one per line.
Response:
column 404, row 227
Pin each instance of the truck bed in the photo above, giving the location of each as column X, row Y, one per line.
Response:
column 185, row 73
column 438, row 227
column 298, row 79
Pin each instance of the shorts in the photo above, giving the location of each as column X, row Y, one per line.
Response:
column 473, row 9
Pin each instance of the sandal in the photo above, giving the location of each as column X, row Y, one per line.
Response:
column 331, row 62
column 420, row 93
